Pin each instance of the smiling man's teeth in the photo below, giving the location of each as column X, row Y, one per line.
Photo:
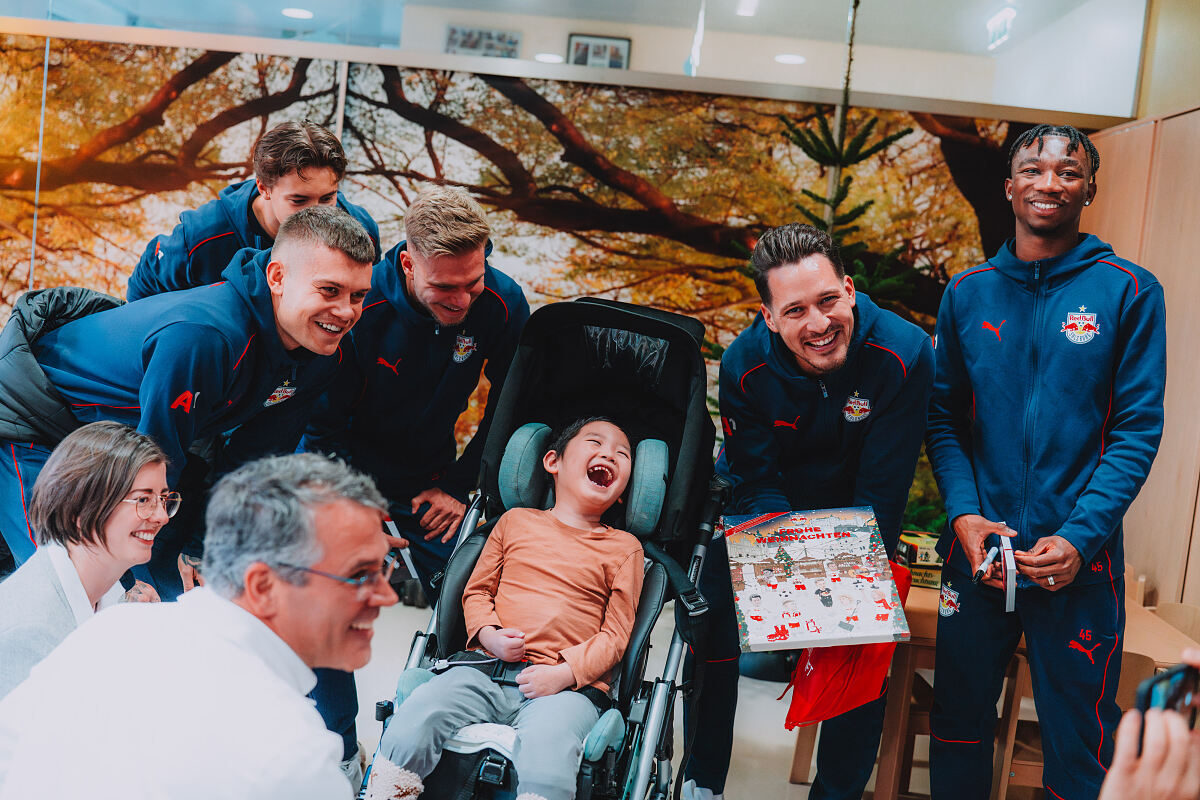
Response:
column 1045, row 206
column 823, row 342
column 331, row 328
column 362, row 626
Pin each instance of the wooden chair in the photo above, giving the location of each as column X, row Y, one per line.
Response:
column 901, row 751
column 1135, row 668
column 1135, row 585
column 1182, row 616
column 1022, row 739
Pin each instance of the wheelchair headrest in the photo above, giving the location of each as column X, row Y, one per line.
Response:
column 522, row 478
column 524, row 483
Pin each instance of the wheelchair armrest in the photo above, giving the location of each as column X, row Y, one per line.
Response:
column 606, row 734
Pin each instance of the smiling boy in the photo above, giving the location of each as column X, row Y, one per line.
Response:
column 556, row 590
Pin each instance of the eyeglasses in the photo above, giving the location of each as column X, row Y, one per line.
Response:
column 360, row 580
column 145, row 504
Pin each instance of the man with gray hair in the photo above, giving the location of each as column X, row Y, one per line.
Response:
column 297, row 568
column 241, row 362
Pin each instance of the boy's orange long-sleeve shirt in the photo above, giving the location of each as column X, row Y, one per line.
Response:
column 573, row 592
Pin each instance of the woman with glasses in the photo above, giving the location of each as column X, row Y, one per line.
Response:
column 94, row 512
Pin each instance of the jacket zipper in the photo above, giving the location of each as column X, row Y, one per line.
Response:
column 824, row 391
column 1031, row 409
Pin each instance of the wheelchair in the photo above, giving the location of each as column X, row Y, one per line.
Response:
column 643, row 368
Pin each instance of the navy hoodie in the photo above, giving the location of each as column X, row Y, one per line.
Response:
column 393, row 408
column 1048, row 406
column 206, row 239
column 193, row 364
column 849, row 438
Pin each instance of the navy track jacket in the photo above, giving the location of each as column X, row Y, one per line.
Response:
column 188, row 365
column 1048, row 406
column 849, row 438
column 392, row 410
column 206, row 239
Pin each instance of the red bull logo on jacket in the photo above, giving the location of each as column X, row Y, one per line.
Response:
column 281, row 393
column 948, row 602
column 856, row 409
column 1081, row 328
column 463, row 347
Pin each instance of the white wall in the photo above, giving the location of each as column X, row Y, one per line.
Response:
column 1172, row 59
column 1087, row 61
column 727, row 55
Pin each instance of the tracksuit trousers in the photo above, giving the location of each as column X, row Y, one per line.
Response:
column 848, row 744
column 20, row 464
column 1073, row 638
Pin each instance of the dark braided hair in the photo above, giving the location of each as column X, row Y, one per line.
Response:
column 1074, row 136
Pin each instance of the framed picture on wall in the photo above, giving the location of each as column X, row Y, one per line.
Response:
column 482, row 42
column 598, row 51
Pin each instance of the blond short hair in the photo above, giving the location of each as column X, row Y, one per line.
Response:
column 443, row 221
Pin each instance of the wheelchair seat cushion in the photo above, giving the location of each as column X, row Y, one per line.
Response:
column 410, row 679
column 484, row 736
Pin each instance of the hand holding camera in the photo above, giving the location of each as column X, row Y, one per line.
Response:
column 1157, row 754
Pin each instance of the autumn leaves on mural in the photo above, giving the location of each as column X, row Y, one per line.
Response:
column 132, row 135
column 650, row 196
column 646, row 195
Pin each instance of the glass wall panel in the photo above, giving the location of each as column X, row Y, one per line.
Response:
column 1064, row 55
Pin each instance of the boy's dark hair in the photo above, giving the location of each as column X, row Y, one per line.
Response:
column 1074, row 136
column 296, row 147
column 560, row 439
column 788, row 244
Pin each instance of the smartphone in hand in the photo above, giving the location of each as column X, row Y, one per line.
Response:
column 1176, row 689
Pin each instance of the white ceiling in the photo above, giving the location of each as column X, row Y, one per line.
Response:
column 941, row 25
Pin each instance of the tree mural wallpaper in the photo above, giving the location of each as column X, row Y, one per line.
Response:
column 650, row 196
column 133, row 134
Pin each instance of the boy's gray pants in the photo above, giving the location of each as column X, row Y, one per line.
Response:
column 550, row 730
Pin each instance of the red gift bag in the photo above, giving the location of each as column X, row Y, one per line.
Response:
column 829, row 681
